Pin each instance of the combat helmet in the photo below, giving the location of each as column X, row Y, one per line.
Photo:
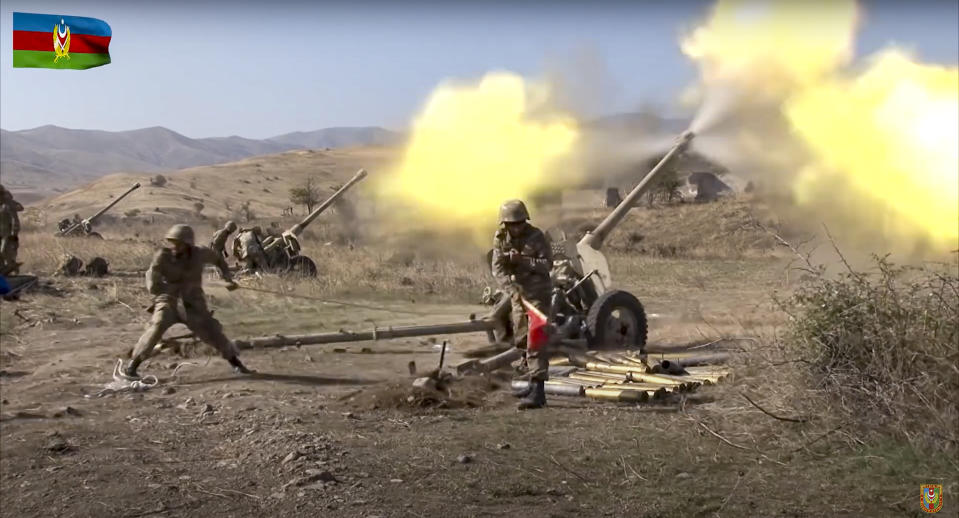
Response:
column 181, row 233
column 230, row 226
column 513, row 211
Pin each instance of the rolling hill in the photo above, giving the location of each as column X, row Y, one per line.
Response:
column 263, row 181
column 50, row 159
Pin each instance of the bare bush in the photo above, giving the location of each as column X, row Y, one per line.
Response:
column 885, row 344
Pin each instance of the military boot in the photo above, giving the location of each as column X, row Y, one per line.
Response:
column 238, row 366
column 536, row 397
column 130, row 371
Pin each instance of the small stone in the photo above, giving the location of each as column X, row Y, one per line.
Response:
column 66, row 411
column 349, row 415
column 683, row 475
column 207, row 409
column 290, row 457
column 503, row 446
column 424, row 383
column 339, row 349
column 464, row 459
column 168, row 390
column 396, row 480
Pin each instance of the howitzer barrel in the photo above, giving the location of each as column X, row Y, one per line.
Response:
column 472, row 326
column 296, row 229
column 595, row 238
column 99, row 213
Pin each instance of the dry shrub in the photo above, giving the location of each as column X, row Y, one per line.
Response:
column 885, row 344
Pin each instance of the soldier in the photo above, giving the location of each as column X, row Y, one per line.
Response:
column 521, row 261
column 9, row 232
column 218, row 243
column 248, row 247
column 175, row 275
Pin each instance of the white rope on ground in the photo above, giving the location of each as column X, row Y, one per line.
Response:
column 122, row 383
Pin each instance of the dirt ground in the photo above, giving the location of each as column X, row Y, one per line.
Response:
column 333, row 430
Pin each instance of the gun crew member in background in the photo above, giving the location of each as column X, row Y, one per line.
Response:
column 248, row 247
column 522, row 260
column 176, row 275
column 218, row 243
column 9, row 232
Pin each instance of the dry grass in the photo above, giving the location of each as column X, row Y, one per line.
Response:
column 724, row 229
column 265, row 181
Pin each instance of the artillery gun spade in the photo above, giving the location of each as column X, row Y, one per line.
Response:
column 283, row 253
column 84, row 228
column 586, row 306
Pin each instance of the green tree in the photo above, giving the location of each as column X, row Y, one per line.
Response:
column 307, row 194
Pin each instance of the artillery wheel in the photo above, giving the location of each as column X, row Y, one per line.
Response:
column 617, row 319
column 302, row 266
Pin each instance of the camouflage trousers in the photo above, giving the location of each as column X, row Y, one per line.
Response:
column 195, row 316
column 536, row 361
column 255, row 259
column 8, row 253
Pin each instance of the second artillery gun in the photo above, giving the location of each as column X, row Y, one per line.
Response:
column 283, row 253
column 84, row 227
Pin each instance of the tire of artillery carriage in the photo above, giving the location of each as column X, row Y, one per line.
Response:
column 302, row 266
column 298, row 266
column 617, row 319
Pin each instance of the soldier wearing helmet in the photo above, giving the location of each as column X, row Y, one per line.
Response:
column 175, row 279
column 248, row 247
column 521, row 262
column 218, row 243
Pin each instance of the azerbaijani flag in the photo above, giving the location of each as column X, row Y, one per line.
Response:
column 51, row 41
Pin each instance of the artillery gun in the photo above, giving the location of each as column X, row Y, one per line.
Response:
column 586, row 307
column 283, row 253
column 587, row 311
column 84, row 228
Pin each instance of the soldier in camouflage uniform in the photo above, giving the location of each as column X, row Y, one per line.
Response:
column 521, row 261
column 176, row 275
column 218, row 243
column 248, row 247
column 9, row 232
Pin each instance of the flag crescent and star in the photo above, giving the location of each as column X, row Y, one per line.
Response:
column 77, row 42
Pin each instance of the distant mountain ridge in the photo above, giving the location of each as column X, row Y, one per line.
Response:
column 50, row 158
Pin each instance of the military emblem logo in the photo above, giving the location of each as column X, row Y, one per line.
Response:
column 61, row 41
column 931, row 499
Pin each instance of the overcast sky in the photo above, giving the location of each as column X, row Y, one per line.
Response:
column 258, row 69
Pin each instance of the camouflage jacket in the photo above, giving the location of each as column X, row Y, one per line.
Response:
column 218, row 243
column 523, row 261
column 9, row 219
column 173, row 276
column 246, row 240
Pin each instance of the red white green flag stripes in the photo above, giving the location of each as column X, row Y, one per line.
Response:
column 54, row 41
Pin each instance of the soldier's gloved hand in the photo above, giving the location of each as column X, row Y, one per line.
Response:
column 231, row 285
